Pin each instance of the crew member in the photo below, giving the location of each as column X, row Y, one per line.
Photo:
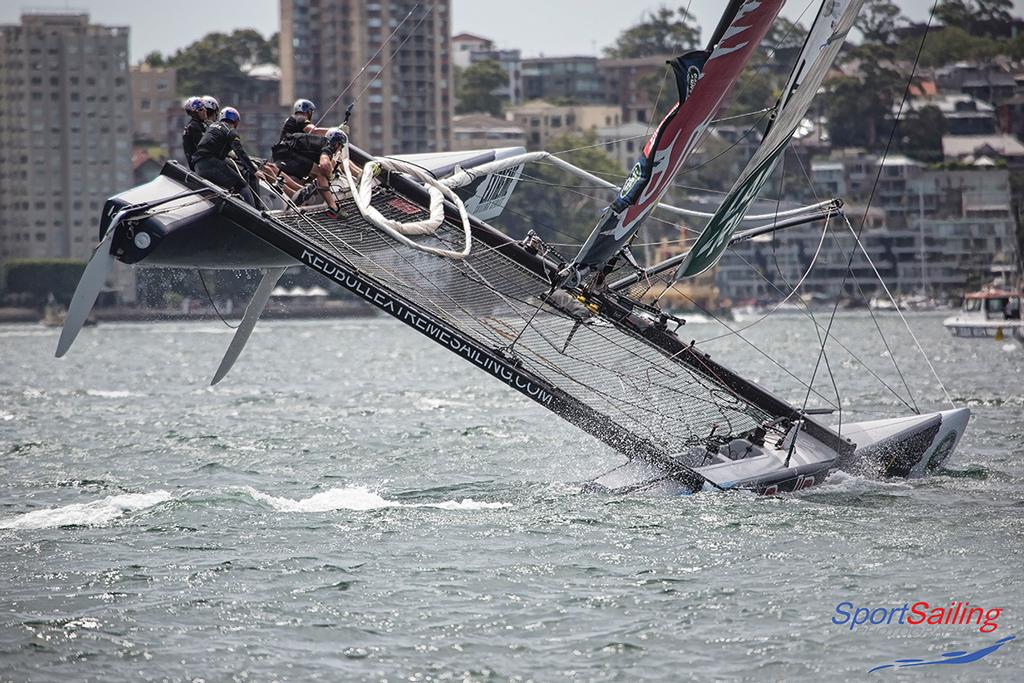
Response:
column 211, row 156
column 194, row 129
column 301, row 120
column 318, row 156
column 212, row 108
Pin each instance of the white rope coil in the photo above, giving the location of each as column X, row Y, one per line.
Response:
column 363, row 192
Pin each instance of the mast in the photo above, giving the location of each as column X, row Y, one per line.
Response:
column 703, row 79
column 834, row 20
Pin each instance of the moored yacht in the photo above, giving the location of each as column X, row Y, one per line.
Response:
column 991, row 312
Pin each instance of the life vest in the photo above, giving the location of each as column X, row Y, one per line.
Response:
column 305, row 145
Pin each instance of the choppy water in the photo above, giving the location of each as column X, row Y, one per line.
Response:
column 353, row 503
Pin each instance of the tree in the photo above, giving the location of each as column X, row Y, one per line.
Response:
column 922, row 133
column 784, row 34
column 476, row 88
column 662, row 32
column 955, row 44
column 213, row 64
column 878, row 21
column 859, row 109
column 563, row 214
column 992, row 18
column 37, row 279
column 155, row 59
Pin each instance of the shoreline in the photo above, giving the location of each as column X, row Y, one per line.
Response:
column 133, row 314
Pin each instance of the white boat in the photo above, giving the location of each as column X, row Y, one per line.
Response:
column 990, row 313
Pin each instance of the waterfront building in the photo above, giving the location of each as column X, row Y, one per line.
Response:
column 154, row 93
column 482, row 131
column 63, row 147
column 573, row 79
column 543, row 120
column 407, row 104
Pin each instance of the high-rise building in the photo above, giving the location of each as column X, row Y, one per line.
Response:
column 407, row 103
column 65, row 132
column 153, row 94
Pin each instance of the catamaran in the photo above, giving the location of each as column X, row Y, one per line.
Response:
column 573, row 334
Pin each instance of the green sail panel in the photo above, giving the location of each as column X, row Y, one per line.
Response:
column 825, row 39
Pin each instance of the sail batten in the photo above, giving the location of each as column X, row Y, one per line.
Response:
column 703, row 79
column 834, row 20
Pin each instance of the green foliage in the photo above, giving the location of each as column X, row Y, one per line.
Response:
column 878, row 21
column 954, row 44
column 476, row 86
column 662, row 32
column 213, row 64
column 989, row 18
column 155, row 59
column 784, row 34
column 922, row 132
column 859, row 109
column 562, row 214
column 39, row 278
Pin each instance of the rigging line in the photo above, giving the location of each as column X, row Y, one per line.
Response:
column 732, row 146
column 778, row 203
column 637, row 388
column 213, row 304
column 743, row 88
column 874, row 318
column 792, row 291
column 807, row 312
column 743, row 116
column 397, row 50
column 748, row 342
column 657, row 100
column 533, row 179
column 871, row 196
column 599, row 144
column 900, row 312
column 878, row 328
column 605, row 143
column 692, row 188
column 817, row 333
column 368, row 63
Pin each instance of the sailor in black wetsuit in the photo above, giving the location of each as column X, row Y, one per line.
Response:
column 293, row 149
column 318, row 154
column 211, row 157
column 194, row 129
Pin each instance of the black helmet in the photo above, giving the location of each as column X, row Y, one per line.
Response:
column 304, row 106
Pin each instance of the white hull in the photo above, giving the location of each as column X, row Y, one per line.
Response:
column 911, row 446
column 968, row 326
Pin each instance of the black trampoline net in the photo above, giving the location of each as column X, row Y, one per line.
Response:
column 495, row 300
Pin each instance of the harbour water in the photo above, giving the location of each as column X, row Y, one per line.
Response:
column 354, row 503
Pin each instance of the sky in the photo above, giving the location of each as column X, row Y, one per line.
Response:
column 551, row 27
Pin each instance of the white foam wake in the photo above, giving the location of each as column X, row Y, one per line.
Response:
column 359, row 498
column 96, row 513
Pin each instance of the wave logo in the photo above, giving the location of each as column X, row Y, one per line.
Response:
column 955, row 657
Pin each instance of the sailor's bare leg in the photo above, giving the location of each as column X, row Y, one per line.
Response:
column 321, row 173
